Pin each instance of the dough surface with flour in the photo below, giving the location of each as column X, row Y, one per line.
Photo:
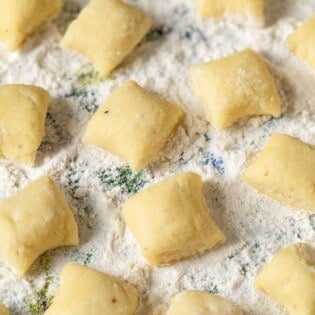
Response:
column 18, row 19
column 170, row 220
column 236, row 86
column 87, row 291
column 106, row 32
column 23, row 110
column 34, row 220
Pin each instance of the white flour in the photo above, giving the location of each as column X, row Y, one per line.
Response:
column 96, row 182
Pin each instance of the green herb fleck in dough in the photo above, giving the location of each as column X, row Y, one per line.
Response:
column 42, row 299
column 123, row 177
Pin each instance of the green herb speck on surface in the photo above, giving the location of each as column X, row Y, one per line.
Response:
column 87, row 75
column 157, row 32
column 206, row 137
column 85, row 97
column 213, row 289
column 243, row 270
column 123, row 177
column 41, row 300
column 312, row 221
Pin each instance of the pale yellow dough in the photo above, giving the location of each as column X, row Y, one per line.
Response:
column 289, row 279
column 23, row 111
column 134, row 124
column 170, row 220
column 236, row 86
column 86, row 291
column 3, row 310
column 285, row 171
column 34, row 220
column 302, row 42
column 247, row 9
column 20, row 18
column 201, row 303
column 105, row 32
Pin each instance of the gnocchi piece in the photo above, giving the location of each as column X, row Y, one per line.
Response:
column 135, row 117
column 289, row 279
column 106, row 41
column 23, row 110
column 3, row 310
column 86, row 291
column 236, row 86
column 34, row 220
column 170, row 220
column 199, row 302
column 302, row 42
column 19, row 19
column 247, row 9
column 285, row 171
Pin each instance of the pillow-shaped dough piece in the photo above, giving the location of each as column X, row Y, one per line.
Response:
column 289, row 279
column 23, row 110
column 285, row 171
column 247, row 9
column 106, row 41
column 86, row 291
column 170, row 220
column 302, row 41
column 3, row 310
column 236, row 86
column 18, row 18
column 133, row 124
column 199, row 302
column 34, row 220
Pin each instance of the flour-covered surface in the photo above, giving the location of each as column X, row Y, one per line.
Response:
column 96, row 183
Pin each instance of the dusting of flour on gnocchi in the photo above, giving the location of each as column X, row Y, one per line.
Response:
column 96, row 183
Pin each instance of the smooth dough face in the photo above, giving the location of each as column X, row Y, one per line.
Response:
column 302, row 41
column 23, row 111
column 234, row 87
column 20, row 18
column 34, row 220
column 106, row 41
column 3, row 310
column 86, row 291
column 247, row 9
column 289, row 279
column 285, row 171
column 201, row 303
column 170, row 220
column 135, row 117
